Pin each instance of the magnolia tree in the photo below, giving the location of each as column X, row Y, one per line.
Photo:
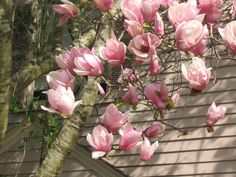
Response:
column 148, row 34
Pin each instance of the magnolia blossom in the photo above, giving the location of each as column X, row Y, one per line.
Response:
column 129, row 137
column 62, row 101
column 229, row 35
column 134, row 28
column 182, row 12
column 128, row 76
column 155, row 130
column 175, row 97
column 87, row 63
column 100, row 140
column 215, row 113
column 211, row 8
column 131, row 96
column 157, row 93
column 68, row 10
column 113, row 119
column 104, row 4
column 132, row 10
column 154, row 66
column 147, row 150
column 159, row 25
column 66, row 59
column 149, row 9
column 144, row 46
column 114, row 52
column 61, row 77
column 191, row 36
column 196, row 74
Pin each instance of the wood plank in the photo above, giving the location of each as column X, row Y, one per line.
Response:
column 182, row 169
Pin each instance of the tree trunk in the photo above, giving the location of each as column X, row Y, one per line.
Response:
column 68, row 136
column 5, row 63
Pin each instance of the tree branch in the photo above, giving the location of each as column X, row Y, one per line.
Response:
column 5, row 63
column 67, row 138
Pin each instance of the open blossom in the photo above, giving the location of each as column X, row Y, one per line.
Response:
column 69, row 10
column 144, row 46
column 131, row 96
column 229, row 36
column 191, row 36
column 128, row 76
column 87, row 63
column 61, row 77
column 149, row 9
column 100, row 140
column 114, row 51
column 66, row 59
column 157, row 93
column 196, row 74
column 113, row 119
column 155, row 130
column 62, row 101
column 211, row 8
column 104, row 4
column 215, row 113
column 134, row 28
column 147, row 150
column 182, row 12
column 129, row 137
column 132, row 10
column 158, row 25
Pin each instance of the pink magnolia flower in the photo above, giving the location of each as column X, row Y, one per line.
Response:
column 128, row 76
column 87, row 63
column 132, row 10
column 100, row 140
column 191, row 36
column 155, row 130
column 154, row 66
column 215, row 113
column 104, row 4
column 147, row 150
column 211, row 8
column 131, row 96
column 61, row 77
column 134, row 28
column 229, row 36
column 159, row 25
column 175, row 97
column 182, row 12
column 62, row 101
column 157, row 93
column 113, row 119
column 69, row 10
column 149, row 9
column 114, row 52
column 196, row 74
column 129, row 137
column 144, row 46
column 66, row 59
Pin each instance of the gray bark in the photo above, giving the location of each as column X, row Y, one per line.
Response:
column 5, row 63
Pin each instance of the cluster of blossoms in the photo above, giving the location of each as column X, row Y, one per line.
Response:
column 114, row 121
column 143, row 22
